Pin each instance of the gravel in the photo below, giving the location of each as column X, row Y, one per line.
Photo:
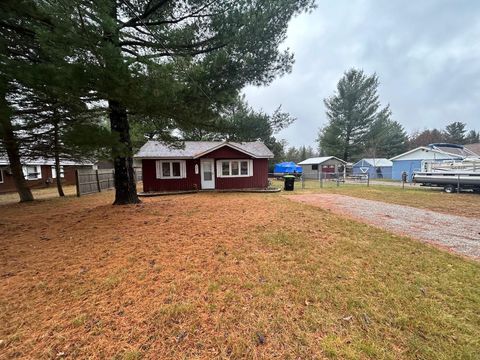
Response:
column 456, row 233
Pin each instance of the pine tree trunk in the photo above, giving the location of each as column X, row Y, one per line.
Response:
column 125, row 186
column 57, row 160
column 13, row 153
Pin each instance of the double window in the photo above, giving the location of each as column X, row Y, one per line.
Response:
column 171, row 169
column 32, row 172
column 234, row 168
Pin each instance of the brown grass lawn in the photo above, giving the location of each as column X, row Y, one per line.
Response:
column 209, row 276
column 463, row 204
column 39, row 194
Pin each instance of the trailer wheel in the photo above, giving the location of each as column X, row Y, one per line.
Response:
column 449, row 189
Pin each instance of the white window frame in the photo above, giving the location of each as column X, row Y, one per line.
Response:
column 54, row 172
column 2, row 180
column 38, row 171
column 220, row 166
column 183, row 169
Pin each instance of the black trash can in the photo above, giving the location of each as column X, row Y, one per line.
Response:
column 289, row 182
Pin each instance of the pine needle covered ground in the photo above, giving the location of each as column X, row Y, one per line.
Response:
column 207, row 276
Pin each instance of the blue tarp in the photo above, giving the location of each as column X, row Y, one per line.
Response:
column 287, row 168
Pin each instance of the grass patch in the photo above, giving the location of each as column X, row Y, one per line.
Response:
column 463, row 204
column 243, row 276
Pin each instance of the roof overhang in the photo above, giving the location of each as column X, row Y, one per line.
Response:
column 327, row 158
column 232, row 146
column 426, row 149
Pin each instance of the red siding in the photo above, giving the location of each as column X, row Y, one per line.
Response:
column 9, row 186
column 193, row 181
column 151, row 183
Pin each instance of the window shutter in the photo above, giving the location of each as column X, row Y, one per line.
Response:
column 250, row 173
column 219, row 168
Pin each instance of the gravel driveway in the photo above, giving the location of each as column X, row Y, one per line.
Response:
column 456, row 233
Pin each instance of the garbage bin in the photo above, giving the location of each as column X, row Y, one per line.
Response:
column 289, row 181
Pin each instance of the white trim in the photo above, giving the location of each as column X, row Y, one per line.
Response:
column 159, row 173
column 436, row 151
column 316, row 161
column 54, row 172
column 220, row 168
column 207, row 184
column 38, row 171
column 2, row 180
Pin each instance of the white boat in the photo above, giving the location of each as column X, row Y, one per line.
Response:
column 452, row 175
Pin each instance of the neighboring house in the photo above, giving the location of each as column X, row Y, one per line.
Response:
column 204, row 165
column 379, row 168
column 326, row 165
column 411, row 160
column 40, row 173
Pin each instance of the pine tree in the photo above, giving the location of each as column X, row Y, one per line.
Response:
column 387, row 138
column 351, row 111
column 164, row 59
column 472, row 137
column 455, row 132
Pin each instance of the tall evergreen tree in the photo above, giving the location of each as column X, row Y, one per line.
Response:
column 351, row 111
column 176, row 60
column 472, row 137
column 387, row 138
column 455, row 132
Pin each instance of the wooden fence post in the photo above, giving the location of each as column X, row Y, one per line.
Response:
column 77, row 182
column 98, row 181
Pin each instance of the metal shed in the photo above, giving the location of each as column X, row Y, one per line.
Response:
column 376, row 168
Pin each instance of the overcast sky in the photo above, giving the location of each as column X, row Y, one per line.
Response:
column 426, row 54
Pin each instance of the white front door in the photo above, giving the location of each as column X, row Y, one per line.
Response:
column 207, row 173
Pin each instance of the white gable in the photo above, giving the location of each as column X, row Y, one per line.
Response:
column 424, row 153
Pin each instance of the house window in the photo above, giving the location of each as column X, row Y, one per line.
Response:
column 315, row 167
column 32, row 172
column 171, row 169
column 1, row 176
column 54, row 172
column 234, row 168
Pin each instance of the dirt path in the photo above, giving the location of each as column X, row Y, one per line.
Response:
column 457, row 233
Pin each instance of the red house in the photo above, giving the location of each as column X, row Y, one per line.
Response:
column 40, row 173
column 204, row 165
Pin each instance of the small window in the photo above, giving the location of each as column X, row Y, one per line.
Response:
column 165, row 169
column 1, row 176
column 315, row 167
column 32, row 172
column 244, row 168
column 54, row 172
column 171, row 169
column 234, row 168
column 175, row 169
column 225, row 168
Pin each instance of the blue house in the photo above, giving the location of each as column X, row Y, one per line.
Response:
column 411, row 160
column 380, row 168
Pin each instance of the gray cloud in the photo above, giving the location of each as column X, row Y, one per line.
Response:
column 426, row 54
